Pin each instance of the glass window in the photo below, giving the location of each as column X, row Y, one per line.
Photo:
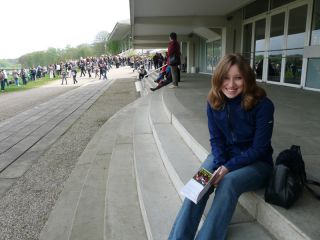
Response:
column 209, row 54
column 247, row 36
column 274, row 66
column 297, row 27
column 278, row 3
column 259, row 36
column 247, row 39
column 277, row 31
column 313, row 73
column 258, row 62
column 216, row 52
column 293, row 66
column 255, row 8
column 315, row 34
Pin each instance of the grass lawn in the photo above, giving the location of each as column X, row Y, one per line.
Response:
column 30, row 84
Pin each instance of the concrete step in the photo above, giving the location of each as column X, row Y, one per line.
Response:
column 123, row 218
column 296, row 223
column 159, row 200
column 188, row 124
column 181, row 164
column 79, row 211
column 149, row 82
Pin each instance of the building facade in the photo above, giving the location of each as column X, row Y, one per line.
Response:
column 280, row 38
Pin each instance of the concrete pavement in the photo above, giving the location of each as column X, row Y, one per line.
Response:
column 40, row 146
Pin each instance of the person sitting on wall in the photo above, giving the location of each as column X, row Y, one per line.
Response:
column 164, row 78
column 240, row 121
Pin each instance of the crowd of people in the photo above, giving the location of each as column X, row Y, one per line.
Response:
column 95, row 67
column 99, row 66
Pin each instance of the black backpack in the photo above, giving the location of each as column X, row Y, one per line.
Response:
column 288, row 179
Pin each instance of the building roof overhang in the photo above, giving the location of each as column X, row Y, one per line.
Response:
column 153, row 21
column 120, row 30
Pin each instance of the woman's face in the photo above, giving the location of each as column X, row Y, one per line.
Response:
column 233, row 83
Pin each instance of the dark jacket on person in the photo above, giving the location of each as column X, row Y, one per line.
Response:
column 239, row 137
column 173, row 50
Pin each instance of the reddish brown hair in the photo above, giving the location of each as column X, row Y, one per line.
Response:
column 251, row 92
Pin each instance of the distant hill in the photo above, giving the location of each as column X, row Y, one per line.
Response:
column 9, row 63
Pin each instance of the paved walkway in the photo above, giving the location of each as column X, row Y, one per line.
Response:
column 21, row 132
column 40, row 146
column 26, row 135
column 17, row 102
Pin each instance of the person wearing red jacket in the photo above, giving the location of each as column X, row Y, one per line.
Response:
column 173, row 59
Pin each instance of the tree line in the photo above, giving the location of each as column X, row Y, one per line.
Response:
column 99, row 47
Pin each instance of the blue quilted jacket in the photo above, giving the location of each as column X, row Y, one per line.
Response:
column 238, row 137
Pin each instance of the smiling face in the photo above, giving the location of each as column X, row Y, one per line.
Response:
column 233, row 82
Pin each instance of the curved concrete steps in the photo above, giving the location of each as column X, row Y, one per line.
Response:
column 123, row 219
column 127, row 181
column 81, row 210
column 119, row 188
column 158, row 198
column 296, row 223
column 181, row 164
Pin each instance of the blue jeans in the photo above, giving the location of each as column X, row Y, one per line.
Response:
column 16, row 80
column 2, row 85
column 248, row 178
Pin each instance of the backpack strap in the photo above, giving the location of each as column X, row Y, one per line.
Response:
column 312, row 182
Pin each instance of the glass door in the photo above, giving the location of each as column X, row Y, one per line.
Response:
column 247, row 42
column 254, row 43
column 295, row 44
column 276, row 46
column 259, row 46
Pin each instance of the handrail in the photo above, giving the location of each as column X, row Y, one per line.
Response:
column 154, row 71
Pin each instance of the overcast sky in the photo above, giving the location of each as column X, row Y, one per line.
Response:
column 35, row 25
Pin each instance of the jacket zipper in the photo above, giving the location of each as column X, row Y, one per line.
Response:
column 230, row 124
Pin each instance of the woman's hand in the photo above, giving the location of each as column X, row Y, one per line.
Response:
column 219, row 174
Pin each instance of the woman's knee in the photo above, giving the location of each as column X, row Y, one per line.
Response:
column 228, row 186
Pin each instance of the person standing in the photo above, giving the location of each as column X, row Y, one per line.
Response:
column 155, row 60
column 33, row 73
column 104, row 71
column 5, row 77
column 63, row 76
column 58, row 69
column 173, row 59
column 89, row 66
column 96, row 71
column 15, row 76
column 74, row 74
column 240, row 121
column 50, row 71
column 2, row 80
column 23, row 76
column 82, row 68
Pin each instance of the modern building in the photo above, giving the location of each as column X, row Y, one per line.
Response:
column 122, row 32
column 280, row 38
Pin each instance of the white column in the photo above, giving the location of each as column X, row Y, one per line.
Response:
column 190, row 56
